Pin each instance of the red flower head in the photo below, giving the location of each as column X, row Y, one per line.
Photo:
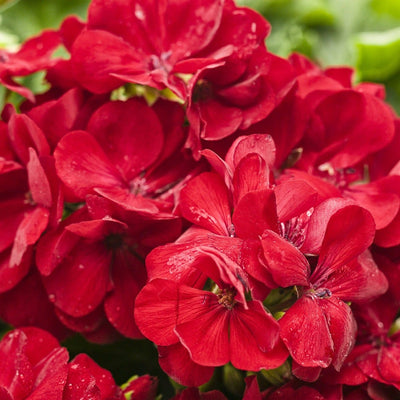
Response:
column 151, row 42
column 34, row 366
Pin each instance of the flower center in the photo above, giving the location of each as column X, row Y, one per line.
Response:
column 113, row 241
column 226, row 297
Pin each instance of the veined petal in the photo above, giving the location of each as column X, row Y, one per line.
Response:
column 286, row 263
column 204, row 201
column 203, row 327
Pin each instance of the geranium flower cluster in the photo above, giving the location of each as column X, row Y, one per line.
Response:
column 180, row 183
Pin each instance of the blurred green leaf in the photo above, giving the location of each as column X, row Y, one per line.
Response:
column 28, row 17
column 390, row 7
column 378, row 55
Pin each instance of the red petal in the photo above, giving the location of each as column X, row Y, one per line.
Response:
column 38, row 183
column 103, row 378
column 16, row 373
column 251, row 174
column 293, row 197
column 156, row 311
column 342, row 327
column 85, row 166
column 255, row 327
column 81, row 384
column 109, row 54
column 39, row 345
column 204, row 201
column 350, row 231
column 51, row 376
column 213, row 118
column 359, row 280
column 256, row 143
column 287, row 265
column 176, row 362
column 202, row 327
column 24, row 133
column 255, row 213
column 305, row 332
column 318, row 222
column 29, row 231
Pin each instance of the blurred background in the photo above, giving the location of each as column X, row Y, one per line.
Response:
column 362, row 33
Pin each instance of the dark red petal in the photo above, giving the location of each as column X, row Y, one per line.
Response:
column 286, row 263
column 308, row 374
column 87, row 324
column 156, row 311
column 255, row 327
column 97, row 229
column 137, row 126
column 11, row 275
column 305, row 331
column 7, row 82
column 129, row 276
column 349, row 232
column 255, row 213
column 85, row 166
column 5, row 394
column 27, row 304
column 176, row 362
column 204, row 201
column 78, row 285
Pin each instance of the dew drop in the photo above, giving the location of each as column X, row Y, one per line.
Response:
column 52, row 298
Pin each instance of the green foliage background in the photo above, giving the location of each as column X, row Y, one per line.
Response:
column 362, row 33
